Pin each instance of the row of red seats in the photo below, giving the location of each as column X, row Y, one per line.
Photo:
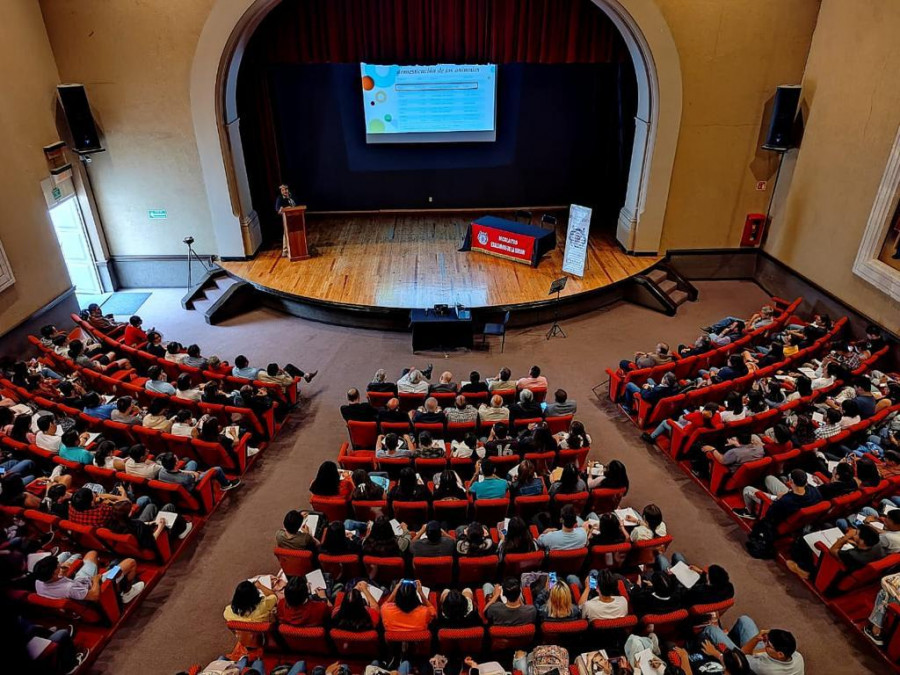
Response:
column 411, row 401
column 690, row 366
column 651, row 414
column 173, row 370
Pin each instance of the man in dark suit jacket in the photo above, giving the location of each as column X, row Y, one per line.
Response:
column 526, row 408
column 357, row 411
column 392, row 413
column 430, row 413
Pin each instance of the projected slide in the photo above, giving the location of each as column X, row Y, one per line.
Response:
column 446, row 103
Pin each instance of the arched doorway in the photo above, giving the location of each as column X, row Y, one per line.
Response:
column 217, row 124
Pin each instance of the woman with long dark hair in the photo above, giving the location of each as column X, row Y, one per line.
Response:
column 328, row 483
column 252, row 602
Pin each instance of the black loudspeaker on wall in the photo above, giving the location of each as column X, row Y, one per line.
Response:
column 75, row 106
column 781, row 127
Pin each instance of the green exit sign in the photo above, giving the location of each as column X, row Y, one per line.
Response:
column 56, row 192
column 158, row 214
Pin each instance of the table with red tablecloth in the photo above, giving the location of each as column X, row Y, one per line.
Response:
column 509, row 239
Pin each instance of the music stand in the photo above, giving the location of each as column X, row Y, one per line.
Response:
column 556, row 287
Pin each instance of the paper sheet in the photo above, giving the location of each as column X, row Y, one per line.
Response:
column 828, row 536
column 644, row 658
column 395, row 524
column 628, row 516
column 685, row 574
column 316, row 580
column 311, row 522
column 36, row 647
column 169, row 517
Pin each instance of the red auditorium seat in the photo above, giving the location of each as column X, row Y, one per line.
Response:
column 604, row 500
column 610, row 556
column 295, row 563
column 334, row 508
column 384, row 570
column 477, row 570
column 414, row 514
column 514, row 564
column 433, row 571
column 560, row 423
column 304, row 640
column 566, row 562
column 363, row 434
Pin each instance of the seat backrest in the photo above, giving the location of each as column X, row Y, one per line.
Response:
column 559, row 423
column 304, row 640
column 368, row 510
column 491, row 510
column 410, row 400
column 379, row 399
column 514, row 564
column 604, row 500
column 567, row 562
column 341, row 567
column 334, row 508
column 414, row 514
column 578, row 500
column 294, row 563
column 433, row 571
column 363, row 434
column 610, row 556
column 384, row 569
column 476, row 570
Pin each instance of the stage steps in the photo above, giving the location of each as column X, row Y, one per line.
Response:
column 661, row 288
column 199, row 290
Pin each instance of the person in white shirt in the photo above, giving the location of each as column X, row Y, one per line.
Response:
column 49, row 435
column 604, row 602
column 769, row 652
column 413, row 381
column 501, row 382
column 137, row 463
column 495, row 412
column 183, row 424
column 184, row 389
column 174, row 353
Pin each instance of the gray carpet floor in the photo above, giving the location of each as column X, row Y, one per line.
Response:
column 180, row 622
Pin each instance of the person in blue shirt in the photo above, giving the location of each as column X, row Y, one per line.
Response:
column 242, row 368
column 156, row 382
column 489, row 486
column 95, row 408
column 71, row 448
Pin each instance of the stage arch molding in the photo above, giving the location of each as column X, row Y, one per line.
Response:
column 213, row 86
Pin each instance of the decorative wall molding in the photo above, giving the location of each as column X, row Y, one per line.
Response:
column 867, row 265
column 7, row 278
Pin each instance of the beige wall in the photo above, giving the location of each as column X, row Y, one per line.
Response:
column 852, row 90
column 28, row 79
column 733, row 55
column 134, row 57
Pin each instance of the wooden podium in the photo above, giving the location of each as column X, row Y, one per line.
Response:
column 294, row 219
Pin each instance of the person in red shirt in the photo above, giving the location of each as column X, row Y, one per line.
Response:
column 134, row 334
column 706, row 417
column 407, row 608
column 328, row 482
column 299, row 608
column 779, row 442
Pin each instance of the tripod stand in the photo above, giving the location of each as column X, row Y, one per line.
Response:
column 191, row 256
column 556, row 287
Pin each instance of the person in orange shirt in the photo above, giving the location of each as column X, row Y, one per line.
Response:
column 407, row 608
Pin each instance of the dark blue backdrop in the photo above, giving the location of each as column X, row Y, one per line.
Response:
column 564, row 135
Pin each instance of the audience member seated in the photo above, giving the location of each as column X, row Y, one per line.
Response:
column 712, row 587
column 651, row 525
column 408, row 487
column 294, row 534
column 430, row 413
column 429, row 448
column 788, row 500
column 194, row 359
column 393, row 446
column 661, row 596
column 526, row 408
column 554, row 602
column 414, row 381
column 156, row 416
column 188, row 475
column 156, row 382
column 104, row 323
column 660, row 356
column 72, row 447
column 458, row 609
column 49, row 434
column 154, row 345
column 431, row 541
column 474, row 385
column 494, row 411
column 184, row 424
column 407, row 608
column 486, row 484
column 768, row 651
column 517, row 538
column 649, row 391
column 448, row 486
column 502, row 381
column 504, row 605
column 365, row 489
column 356, row 410
column 534, row 380
column 571, row 536
column 380, row 384
column 328, row 482
column 526, row 483
column 603, row 602
column 705, row 418
column 744, row 447
column 358, row 611
column 608, row 530
column 299, row 608
column 252, row 602
column 461, row 412
column 569, row 483
column 113, row 511
column 105, row 458
column 336, row 542
column 391, row 412
column 473, row 540
column 52, row 579
column 382, row 541
column 445, row 384
column 561, row 405
column 140, row 464
column 499, row 443
column 175, row 353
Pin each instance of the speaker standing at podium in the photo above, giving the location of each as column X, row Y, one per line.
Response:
column 283, row 201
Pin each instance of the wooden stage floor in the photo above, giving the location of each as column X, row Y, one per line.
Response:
column 406, row 261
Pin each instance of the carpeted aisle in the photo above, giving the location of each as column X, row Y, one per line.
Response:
column 181, row 623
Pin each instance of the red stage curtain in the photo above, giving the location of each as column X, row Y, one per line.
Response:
column 405, row 32
column 439, row 31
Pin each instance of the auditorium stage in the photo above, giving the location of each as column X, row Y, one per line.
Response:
column 386, row 264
